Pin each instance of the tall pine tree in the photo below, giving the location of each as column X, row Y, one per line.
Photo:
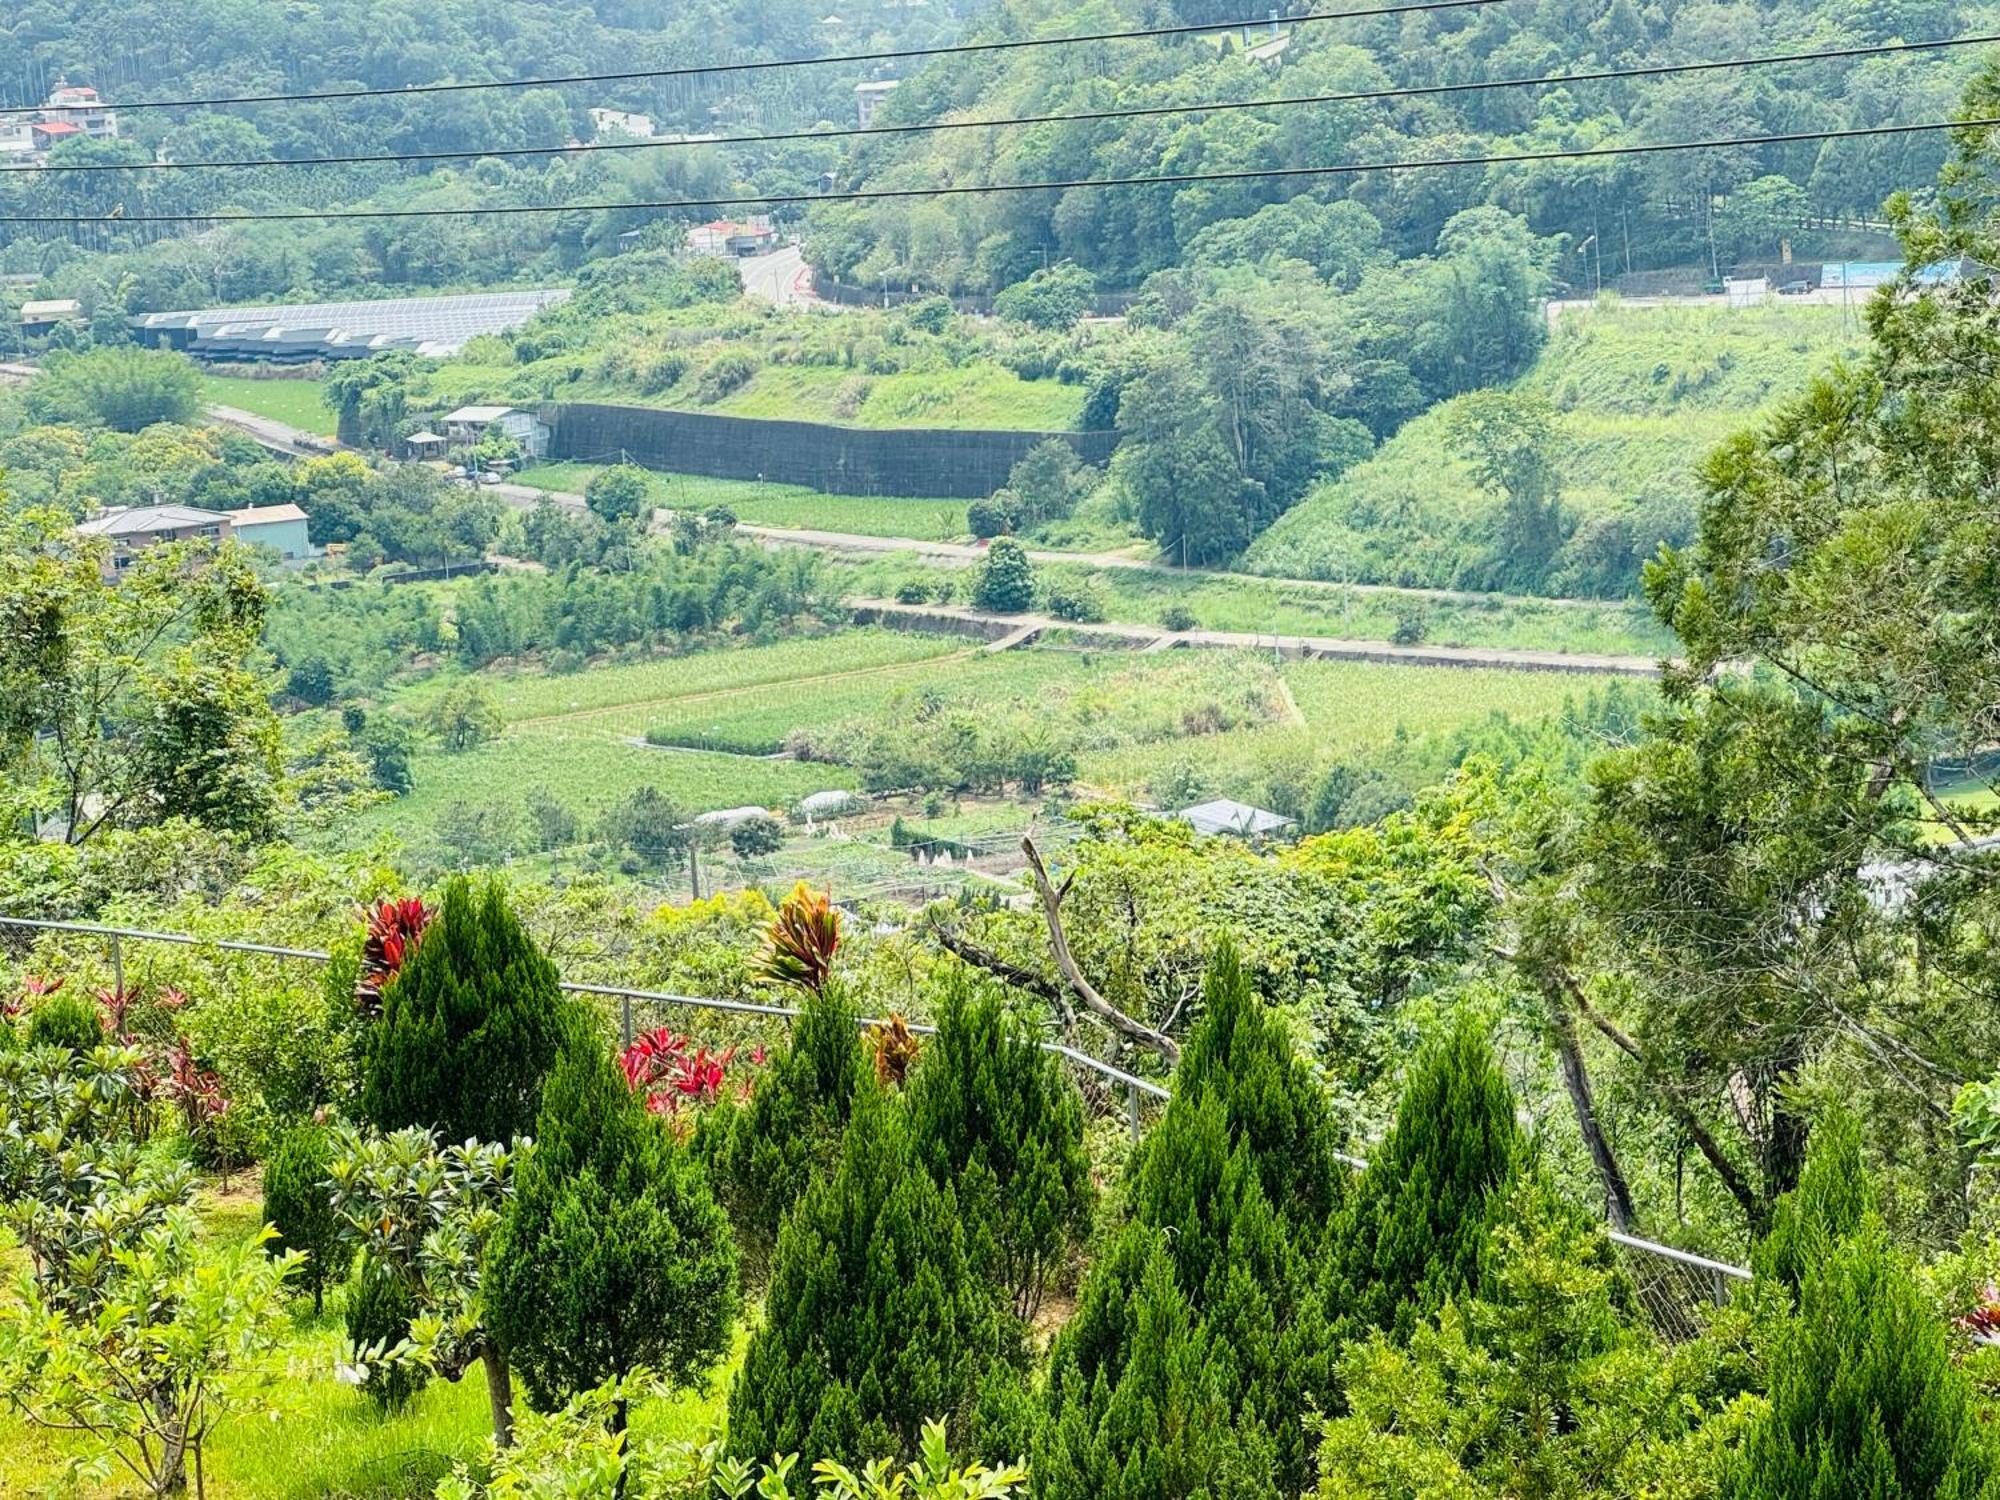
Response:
column 1864, row 1398
column 763, row 1154
column 614, row 1253
column 1230, row 1192
column 1414, row 1229
column 996, row 1120
column 876, row 1317
column 470, row 1025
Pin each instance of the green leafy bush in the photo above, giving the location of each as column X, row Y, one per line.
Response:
column 469, row 1025
column 614, row 1254
column 1414, row 1230
column 298, row 1206
column 876, row 1319
column 1006, row 580
column 65, row 1020
column 763, row 1154
column 996, row 1120
column 380, row 1306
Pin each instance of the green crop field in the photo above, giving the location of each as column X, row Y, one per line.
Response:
column 292, row 401
column 788, row 505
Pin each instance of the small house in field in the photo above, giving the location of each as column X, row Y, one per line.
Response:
column 282, row 528
column 1234, row 819
column 424, row 447
column 41, row 317
column 467, row 426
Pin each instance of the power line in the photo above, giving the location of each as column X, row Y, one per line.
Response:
column 868, row 195
column 1651, row 70
column 952, row 49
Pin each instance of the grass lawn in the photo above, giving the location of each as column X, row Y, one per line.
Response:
column 791, row 505
column 294, row 402
column 330, row 1442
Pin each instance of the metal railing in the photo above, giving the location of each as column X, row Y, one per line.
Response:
column 1134, row 1087
column 1678, row 1284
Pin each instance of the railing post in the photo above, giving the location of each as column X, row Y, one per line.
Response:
column 625, row 1017
column 1132, row 1109
column 117, row 966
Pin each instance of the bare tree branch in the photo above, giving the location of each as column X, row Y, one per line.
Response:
column 1066, row 965
column 981, row 957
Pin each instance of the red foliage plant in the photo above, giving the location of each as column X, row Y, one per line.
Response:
column 675, row 1073
column 802, row 939
column 394, row 929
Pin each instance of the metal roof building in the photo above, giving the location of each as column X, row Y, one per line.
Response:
column 304, row 333
column 1237, row 818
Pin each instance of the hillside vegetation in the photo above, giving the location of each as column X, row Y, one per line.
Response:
column 1635, row 397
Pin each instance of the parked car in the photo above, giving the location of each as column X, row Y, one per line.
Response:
column 1795, row 289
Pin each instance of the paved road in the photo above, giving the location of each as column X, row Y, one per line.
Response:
column 781, row 277
column 1020, row 629
column 277, row 436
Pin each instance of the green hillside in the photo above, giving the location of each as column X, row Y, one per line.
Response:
column 1639, row 394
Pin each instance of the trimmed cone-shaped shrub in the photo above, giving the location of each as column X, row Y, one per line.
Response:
column 1414, row 1229
column 876, row 1317
column 1864, row 1398
column 614, row 1253
column 1832, row 1201
column 1231, row 1192
column 1137, row 1405
column 470, row 1025
column 995, row 1119
column 761, row 1155
column 298, row 1203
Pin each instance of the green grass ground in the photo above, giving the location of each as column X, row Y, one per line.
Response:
column 329, row 1442
column 789, row 505
column 283, row 399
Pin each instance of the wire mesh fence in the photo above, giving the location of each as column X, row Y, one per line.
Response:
column 1678, row 1288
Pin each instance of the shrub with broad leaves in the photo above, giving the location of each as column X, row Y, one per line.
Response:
column 802, row 940
column 674, row 1073
column 394, row 930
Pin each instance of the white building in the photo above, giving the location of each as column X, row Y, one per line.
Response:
column 870, row 97
column 68, row 114
column 466, row 426
column 619, row 122
column 282, row 528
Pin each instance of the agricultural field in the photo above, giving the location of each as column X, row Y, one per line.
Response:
column 706, row 730
column 1239, row 602
column 788, row 505
column 295, row 402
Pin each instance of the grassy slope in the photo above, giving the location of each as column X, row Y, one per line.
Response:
column 1643, row 392
column 779, row 504
column 293, row 402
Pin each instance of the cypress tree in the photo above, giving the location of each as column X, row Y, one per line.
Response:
column 66, row 1021
column 470, row 1025
column 379, row 1309
column 1864, row 1397
column 1414, row 1229
column 1230, row 1193
column 298, row 1204
column 876, row 1318
column 614, row 1253
column 763, row 1154
column 995, row 1119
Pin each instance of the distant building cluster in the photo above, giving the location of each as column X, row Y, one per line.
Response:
column 750, row 236
column 318, row 332
column 131, row 529
column 27, row 136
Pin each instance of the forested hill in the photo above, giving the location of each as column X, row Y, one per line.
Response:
column 1645, row 210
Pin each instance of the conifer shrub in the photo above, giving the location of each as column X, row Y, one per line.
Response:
column 1228, row 1198
column 379, row 1309
column 995, row 1119
column 1417, row 1222
column 1864, row 1397
column 470, row 1025
column 298, row 1204
column 876, row 1317
column 762, row 1154
column 614, row 1253
column 67, row 1021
